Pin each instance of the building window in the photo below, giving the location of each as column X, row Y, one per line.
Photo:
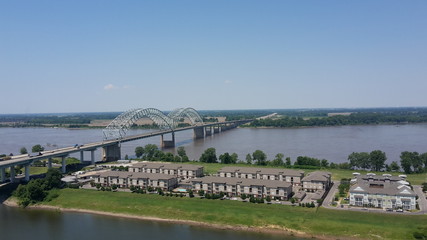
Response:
column 358, row 201
column 406, row 205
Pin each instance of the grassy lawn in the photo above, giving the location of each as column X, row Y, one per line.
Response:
column 337, row 174
column 316, row 222
column 37, row 170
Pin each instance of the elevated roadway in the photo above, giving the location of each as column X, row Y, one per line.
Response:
column 111, row 148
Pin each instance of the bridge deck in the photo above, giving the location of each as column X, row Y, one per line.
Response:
column 60, row 152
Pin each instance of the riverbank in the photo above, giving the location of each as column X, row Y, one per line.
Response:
column 397, row 124
column 11, row 202
column 233, row 215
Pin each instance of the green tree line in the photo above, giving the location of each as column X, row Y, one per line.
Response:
column 339, row 120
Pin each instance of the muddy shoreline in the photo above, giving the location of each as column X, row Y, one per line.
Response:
column 277, row 230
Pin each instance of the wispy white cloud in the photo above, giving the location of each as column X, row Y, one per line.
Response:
column 227, row 82
column 126, row 86
column 109, row 87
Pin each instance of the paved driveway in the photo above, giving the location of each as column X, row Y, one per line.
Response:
column 422, row 201
column 330, row 197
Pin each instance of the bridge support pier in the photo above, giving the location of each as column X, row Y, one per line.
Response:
column 199, row 132
column 82, row 157
column 208, row 131
column 64, row 165
column 110, row 153
column 49, row 163
column 3, row 175
column 12, row 174
column 216, row 129
column 167, row 143
column 27, row 172
column 92, row 157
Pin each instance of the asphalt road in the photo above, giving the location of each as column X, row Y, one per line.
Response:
column 422, row 201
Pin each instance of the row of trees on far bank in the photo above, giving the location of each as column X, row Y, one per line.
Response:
column 258, row 157
column 151, row 152
column 410, row 162
column 339, row 120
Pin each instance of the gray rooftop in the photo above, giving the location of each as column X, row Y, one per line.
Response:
column 378, row 178
column 242, row 181
column 134, row 175
column 171, row 166
column 381, row 187
column 317, row 176
column 254, row 170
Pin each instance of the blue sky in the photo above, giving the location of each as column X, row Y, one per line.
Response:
column 84, row 56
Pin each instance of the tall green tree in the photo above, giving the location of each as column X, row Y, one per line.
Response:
column 23, row 150
column 359, row 160
column 185, row 159
column 288, row 162
column 278, row 160
column 234, row 158
column 139, row 151
column 410, row 161
column 248, row 159
column 406, row 161
column 168, row 157
column 417, row 163
column 53, row 178
column 324, row 163
column 225, row 158
column 423, row 158
column 151, row 151
column 181, row 152
column 377, row 159
column 394, row 166
column 260, row 157
column 209, row 156
column 37, row 148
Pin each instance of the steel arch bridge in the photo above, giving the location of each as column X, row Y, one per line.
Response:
column 121, row 124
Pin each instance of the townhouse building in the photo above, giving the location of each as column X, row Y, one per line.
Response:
column 182, row 171
column 382, row 192
column 144, row 180
column 317, row 181
column 285, row 175
column 238, row 186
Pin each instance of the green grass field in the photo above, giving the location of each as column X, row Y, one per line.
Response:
column 337, row 174
column 312, row 221
column 37, row 170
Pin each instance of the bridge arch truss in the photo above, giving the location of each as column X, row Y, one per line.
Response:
column 118, row 128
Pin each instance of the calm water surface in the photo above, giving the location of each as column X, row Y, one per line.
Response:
column 331, row 143
column 18, row 223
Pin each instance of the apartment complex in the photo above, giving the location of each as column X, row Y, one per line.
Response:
column 285, row 175
column 127, row 179
column 384, row 191
column 182, row 171
column 238, row 186
column 316, row 181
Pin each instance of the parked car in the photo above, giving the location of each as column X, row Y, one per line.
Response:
column 399, row 210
